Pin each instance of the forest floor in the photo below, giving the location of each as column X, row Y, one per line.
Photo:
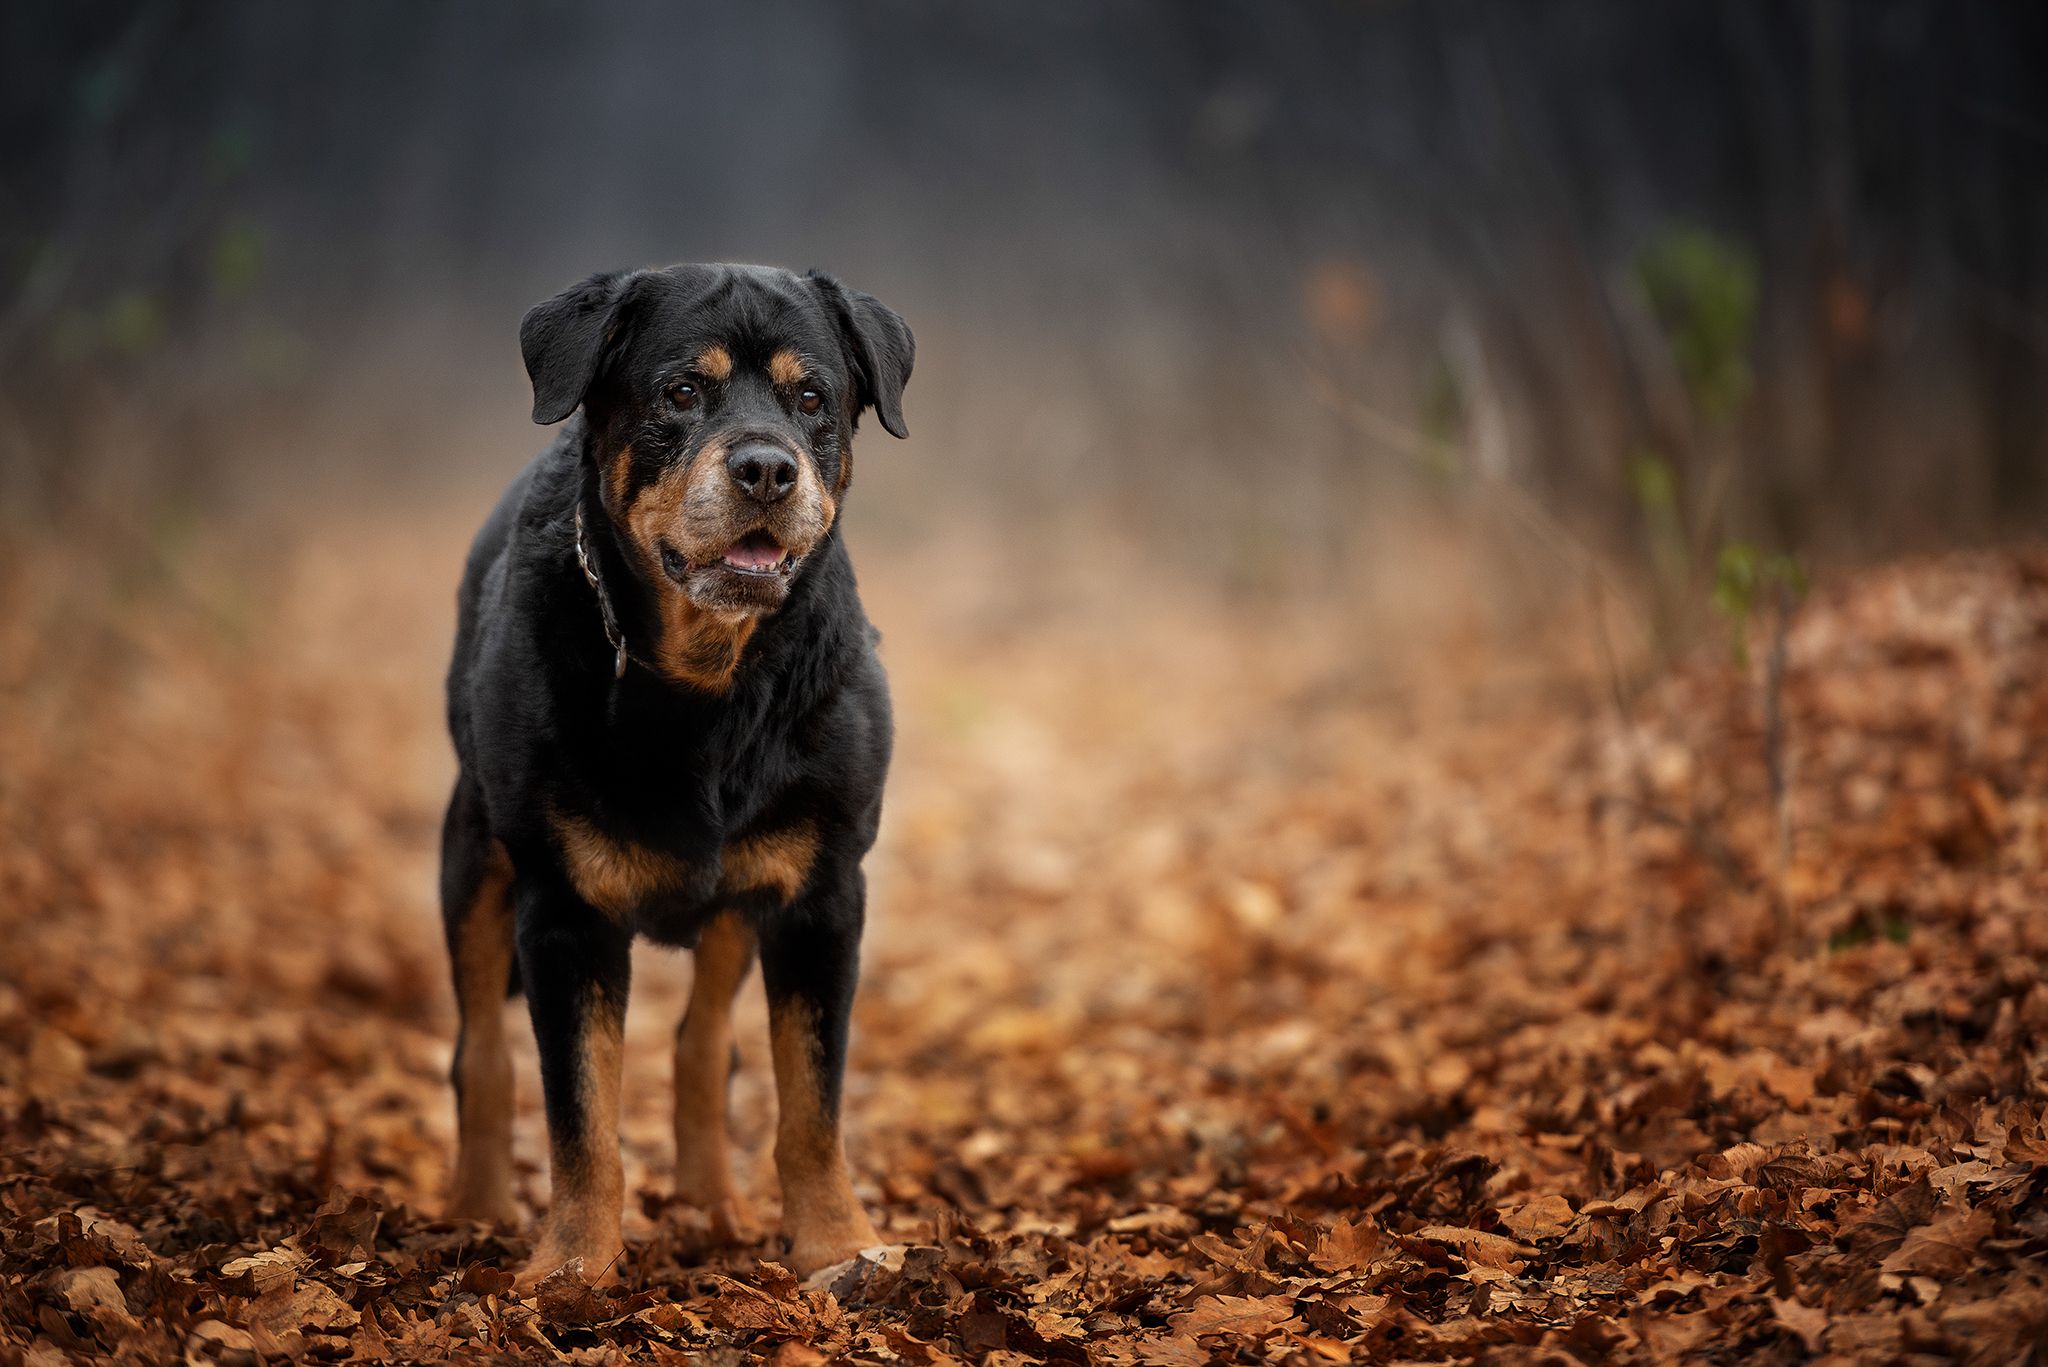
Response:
column 1243, row 985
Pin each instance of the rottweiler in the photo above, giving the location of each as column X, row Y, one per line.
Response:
column 670, row 721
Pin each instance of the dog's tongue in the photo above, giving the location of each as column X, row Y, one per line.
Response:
column 755, row 551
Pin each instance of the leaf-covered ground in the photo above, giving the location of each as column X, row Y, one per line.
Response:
column 1241, row 986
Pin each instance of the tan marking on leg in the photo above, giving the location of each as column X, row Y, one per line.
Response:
column 704, row 1061
column 615, row 876
column 777, row 860
column 820, row 1213
column 483, row 970
column 786, row 367
column 715, row 362
column 586, row 1175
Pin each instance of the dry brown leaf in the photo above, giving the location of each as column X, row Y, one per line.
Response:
column 1547, row 1217
column 1346, row 1244
column 566, row 1296
column 747, row 1309
column 213, row 1342
column 1249, row 1316
column 88, row 1289
column 1947, row 1246
column 312, row 1306
column 1480, row 1247
column 266, row 1271
column 1808, row 1322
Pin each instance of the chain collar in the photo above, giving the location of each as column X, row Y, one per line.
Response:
column 604, row 602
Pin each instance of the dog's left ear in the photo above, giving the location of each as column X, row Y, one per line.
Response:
column 881, row 346
column 564, row 338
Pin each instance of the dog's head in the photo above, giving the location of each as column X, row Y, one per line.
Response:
column 721, row 403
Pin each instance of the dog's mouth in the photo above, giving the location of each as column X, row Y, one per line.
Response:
column 750, row 575
column 757, row 553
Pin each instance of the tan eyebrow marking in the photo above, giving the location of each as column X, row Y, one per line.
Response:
column 716, row 362
column 785, row 367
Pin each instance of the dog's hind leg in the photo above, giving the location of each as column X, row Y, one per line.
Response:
column 706, row 1059
column 476, row 912
column 576, row 966
column 810, row 960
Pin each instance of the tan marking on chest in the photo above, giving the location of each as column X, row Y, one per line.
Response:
column 777, row 861
column 698, row 649
column 615, row 876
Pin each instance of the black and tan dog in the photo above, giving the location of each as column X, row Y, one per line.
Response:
column 671, row 722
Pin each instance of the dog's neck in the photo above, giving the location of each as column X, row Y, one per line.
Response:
column 652, row 625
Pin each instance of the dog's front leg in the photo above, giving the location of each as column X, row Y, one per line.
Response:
column 577, row 966
column 705, row 1060
column 810, row 961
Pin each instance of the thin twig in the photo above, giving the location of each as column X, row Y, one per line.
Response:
column 1517, row 502
column 1405, row 440
column 1776, row 762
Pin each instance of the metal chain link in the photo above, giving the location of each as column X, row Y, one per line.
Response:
column 612, row 633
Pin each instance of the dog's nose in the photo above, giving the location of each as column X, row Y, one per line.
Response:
column 763, row 470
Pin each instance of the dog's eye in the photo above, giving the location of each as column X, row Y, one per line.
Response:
column 810, row 400
column 683, row 395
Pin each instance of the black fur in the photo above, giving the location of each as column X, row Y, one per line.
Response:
column 543, row 729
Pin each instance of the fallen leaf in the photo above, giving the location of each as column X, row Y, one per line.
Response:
column 1547, row 1217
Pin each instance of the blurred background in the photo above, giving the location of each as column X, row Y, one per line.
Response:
column 1464, row 603
column 1244, row 281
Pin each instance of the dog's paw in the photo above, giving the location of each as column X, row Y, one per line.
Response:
column 821, row 1246
column 725, row 1211
column 493, row 1210
column 732, row 1220
column 557, row 1265
column 849, row 1279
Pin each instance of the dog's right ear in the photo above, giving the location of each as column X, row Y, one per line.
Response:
column 564, row 338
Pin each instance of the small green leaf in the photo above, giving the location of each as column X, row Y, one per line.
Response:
column 1656, row 487
column 1702, row 290
column 231, row 149
column 133, row 323
column 1735, row 581
column 237, row 259
column 1852, row 936
column 1443, row 420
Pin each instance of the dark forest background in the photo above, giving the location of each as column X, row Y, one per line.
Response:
column 1232, row 275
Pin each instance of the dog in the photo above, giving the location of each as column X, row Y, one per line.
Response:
column 670, row 722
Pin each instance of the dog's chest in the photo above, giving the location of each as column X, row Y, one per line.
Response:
column 666, row 895
column 682, row 835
